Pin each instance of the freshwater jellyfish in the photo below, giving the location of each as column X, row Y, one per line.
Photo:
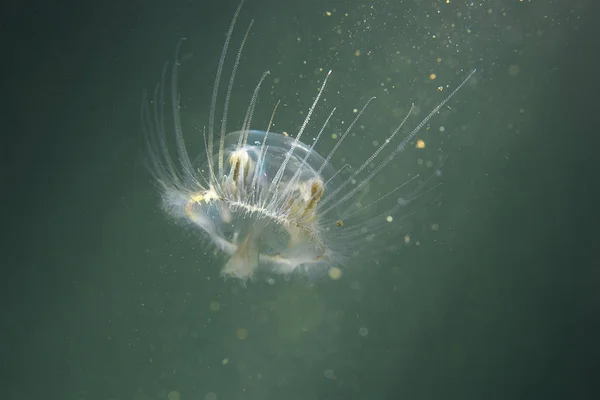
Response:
column 269, row 202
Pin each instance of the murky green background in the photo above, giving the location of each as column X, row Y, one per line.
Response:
column 105, row 298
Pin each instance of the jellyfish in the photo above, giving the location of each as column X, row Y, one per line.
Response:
column 268, row 201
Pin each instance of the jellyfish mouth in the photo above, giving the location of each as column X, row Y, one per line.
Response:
column 245, row 258
column 263, row 244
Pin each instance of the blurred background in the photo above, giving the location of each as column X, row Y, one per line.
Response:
column 494, row 297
